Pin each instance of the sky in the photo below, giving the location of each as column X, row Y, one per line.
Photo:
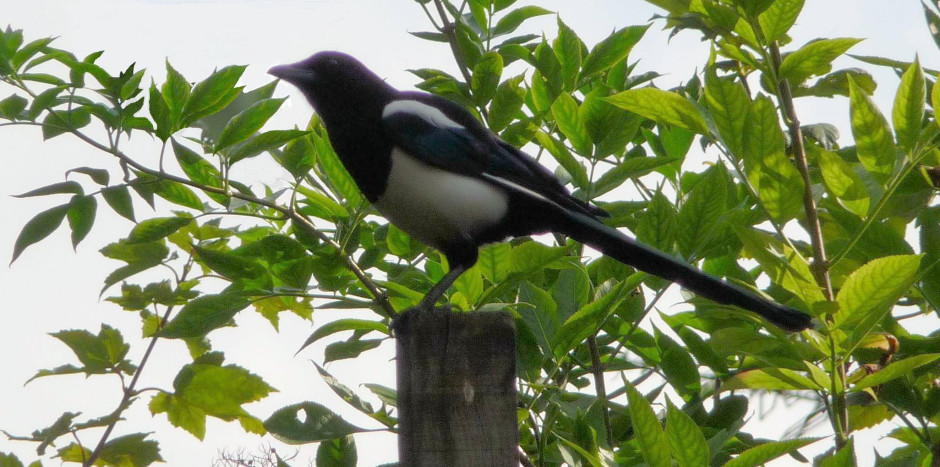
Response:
column 51, row 287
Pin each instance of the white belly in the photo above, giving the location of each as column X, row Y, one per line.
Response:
column 435, row 206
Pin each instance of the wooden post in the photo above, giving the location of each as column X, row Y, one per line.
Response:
column 456, row 389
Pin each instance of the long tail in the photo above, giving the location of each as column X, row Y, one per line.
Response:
column 615, row 244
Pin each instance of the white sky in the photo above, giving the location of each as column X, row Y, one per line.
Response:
column 52, row 288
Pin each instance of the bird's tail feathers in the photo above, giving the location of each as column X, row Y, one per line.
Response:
column 613, row 243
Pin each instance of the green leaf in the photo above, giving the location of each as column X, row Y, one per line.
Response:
column 494, row 261
column 12, row 107
column 611, row 50
column 728, row 101
column 45, row 100
column 98, row 353
column 204, row 314
column 658, row 224
column 212, row 93
column 561, row 154
column 766, row 452
column 589, row 318
column 154, row 229
column 348, row 349
column 632, row 167
column 229, row 265
column 686, row 441
column 247, row 122
column 220, row 391
column 770, row 172
column 895, row 370
column 567, row 48
column 565, row 111
column 843, row 182
column 160, row 113
column 777, row 19
column 340, row 325
column 298, row 157
column 784, row 265
column 319, row 424
column 872, row 290
column 81, row 215
column 338, row 452
column 264, row 142
column 679, row 368
column 661, row 106
column 119, row 198
column 908, row 113
column 512, row 20
column 701, row 211
column 180, row 413
column 9, row 460
column 131, row 450
column 813, row 59
column 336, row 172
column 486, row 74
column 845, row 457
column 38, row 228
column 175, row 92
column 68, row 187
column 58, row 122
column 344, row 392
column 506, row 104
column 653, row 443
column 398, row 241
column 772, row 379
column 875, row 147
column 99, row 176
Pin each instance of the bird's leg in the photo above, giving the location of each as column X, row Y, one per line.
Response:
column 438, row 290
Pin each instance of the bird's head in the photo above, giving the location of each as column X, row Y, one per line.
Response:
column 334, row 80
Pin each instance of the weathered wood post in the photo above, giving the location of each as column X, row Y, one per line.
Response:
column 456, row 389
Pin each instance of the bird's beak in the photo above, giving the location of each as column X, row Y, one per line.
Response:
column 292, row 74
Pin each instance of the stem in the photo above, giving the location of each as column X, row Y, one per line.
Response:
column 820, row 267
column 598, row 369
column 450, row 30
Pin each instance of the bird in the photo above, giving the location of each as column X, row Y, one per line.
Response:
column 437, row 173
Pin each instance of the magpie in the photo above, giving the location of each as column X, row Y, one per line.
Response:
column 432, row 169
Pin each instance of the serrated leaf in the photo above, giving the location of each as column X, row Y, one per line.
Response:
column 773, row 379
column 338, row 452
column 908, row 112
column 588, row 319
column 319, row 424
column 264, row 142
column 871, row 291
column 247, row 122
column 340, row 325
column 348, row 349
column 154, row 229
column 771, row 173
column 494, row 262
column 813, row 59
column 565, row 111
column 646, row 428
column 701, row 211
column 512, row 20
column 131, row 450
column 686, row 442
column 843, row 182
column 180, row 413
column 777, row 19
column 767, row 452
column 895, row 370
column 486, row 74
column 629, row 168
column 204, row 314
column 661, row 106
column 38, row 228
column 213, row 92
column 220, row 391
column 874, row 144
column 728, row 101
column 611, row 50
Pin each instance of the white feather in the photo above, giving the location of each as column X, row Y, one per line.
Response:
column 425, row 112
column 435, row 206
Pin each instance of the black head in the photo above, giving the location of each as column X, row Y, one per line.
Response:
column 334, row 82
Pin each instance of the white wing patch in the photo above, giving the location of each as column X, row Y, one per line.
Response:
column 419, row 109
